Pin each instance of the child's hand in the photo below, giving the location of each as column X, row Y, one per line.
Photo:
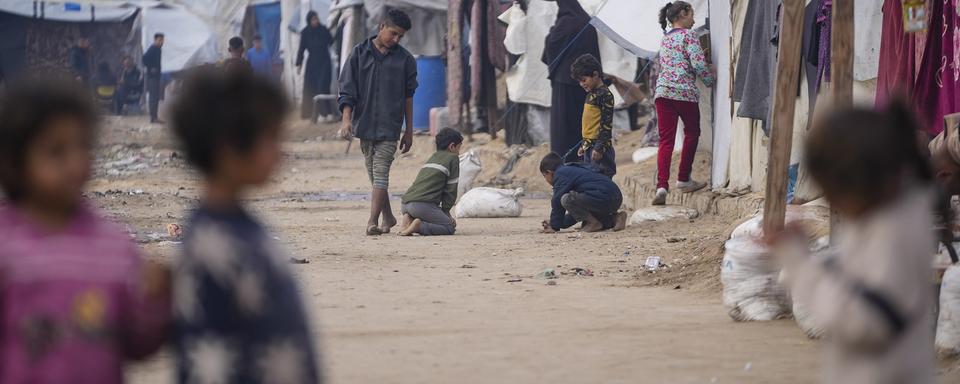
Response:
column 406, row 143
column 346, row 130
column 596, row 155
column 580, row 152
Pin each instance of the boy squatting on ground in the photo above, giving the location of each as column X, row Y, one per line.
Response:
column 426, row 205
column 597, row 146
column 580, row 194
column 238, row 313
column 376, row 96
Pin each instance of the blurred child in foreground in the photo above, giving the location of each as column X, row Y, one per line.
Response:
column 873, row 296
column 76, row 298
column 238, row 313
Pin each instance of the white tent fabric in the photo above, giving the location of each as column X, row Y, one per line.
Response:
column 634, row 25
column 72, row 11
column 868, row 25
column 721, row 31
column 189, row 40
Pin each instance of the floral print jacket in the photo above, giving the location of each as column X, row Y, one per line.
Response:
column 681, row 61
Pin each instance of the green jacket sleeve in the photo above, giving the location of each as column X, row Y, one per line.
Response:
column 449, row 197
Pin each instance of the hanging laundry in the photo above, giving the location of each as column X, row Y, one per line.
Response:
column 757, row 62
column 897, row 69
column 936, row 86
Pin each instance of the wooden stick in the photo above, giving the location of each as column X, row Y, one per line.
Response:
column 841, row 70
column 454, row 63
column 784, row 105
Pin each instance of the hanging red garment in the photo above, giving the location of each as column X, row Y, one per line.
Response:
column 936, row 87
column 897, row 68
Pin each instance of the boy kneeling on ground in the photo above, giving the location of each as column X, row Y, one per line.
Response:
column 580, row 194
column 426, row 205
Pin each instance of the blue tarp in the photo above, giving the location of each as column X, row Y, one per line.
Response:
column 268, row 25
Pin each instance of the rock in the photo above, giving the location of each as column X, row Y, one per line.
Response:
column 662, row 213
column 676, row 239
column 468, row 266
column 552, row 282
column 548, row 273
column 581, row 271
column 644, row 154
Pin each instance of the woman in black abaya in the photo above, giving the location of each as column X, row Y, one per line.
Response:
column 572, row 31
column 316, row 40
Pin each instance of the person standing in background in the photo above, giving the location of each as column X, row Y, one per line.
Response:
column 315, row 39
column 260, row 58
column 570, row 37
column 151, row 60
column 236, row 62
column 129, row 81
column 80, row 61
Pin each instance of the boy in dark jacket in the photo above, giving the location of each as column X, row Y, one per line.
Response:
column 581, row 194
column 426, row 205
column 376, row 98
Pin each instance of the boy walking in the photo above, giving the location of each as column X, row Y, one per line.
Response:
column 376, row 99
column 597, row 146
column 426, row 205
column 239, row 317
column 580, row 194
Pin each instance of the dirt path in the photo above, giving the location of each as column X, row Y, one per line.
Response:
column 442, row 310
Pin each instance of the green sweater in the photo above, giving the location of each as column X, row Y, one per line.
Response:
column 437, row 181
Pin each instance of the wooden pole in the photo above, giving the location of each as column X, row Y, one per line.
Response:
column 784, row 105
column 454, row 63
column 841, row 70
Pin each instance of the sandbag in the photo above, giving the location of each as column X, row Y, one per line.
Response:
column 751, row 291
column 644, row 154
column 801, row 310
column 470, row 167
column 662, row 213
column 814, row 219
column 486, row 202
column 948, row 322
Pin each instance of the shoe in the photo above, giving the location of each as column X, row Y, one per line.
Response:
column 661, row 197
column 690, row 186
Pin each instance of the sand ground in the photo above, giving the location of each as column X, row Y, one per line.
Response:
column 442, row 310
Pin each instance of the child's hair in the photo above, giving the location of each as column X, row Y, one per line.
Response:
column 398, row 18
column 231, row 109
column 550, row 162
column 157, row 35
column 26, row 110
column 861, row 153
column 672, row 11
column 585, row 65
column 446, row 137
column 257, row 37
column 236, row 44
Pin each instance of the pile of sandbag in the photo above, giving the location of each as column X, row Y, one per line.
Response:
column 483, row 202
column 948, row 323
column 470, row 167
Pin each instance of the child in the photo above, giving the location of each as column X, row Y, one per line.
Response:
column 681, row 62
column 236, row 62
column 597, row 146
column 580, row 194
column 76, row 298
column 426, row 205
column 238, row 313
column 874, row 297
column 376, row 98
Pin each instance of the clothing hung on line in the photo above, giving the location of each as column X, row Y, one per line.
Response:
column 756, row 65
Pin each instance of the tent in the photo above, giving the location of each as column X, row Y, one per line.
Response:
column 634, row 25
column 38, row 35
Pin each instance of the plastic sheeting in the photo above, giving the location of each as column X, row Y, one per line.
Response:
column 635, row 25
column 721, row 30
column 189, row 40
column 68, row 11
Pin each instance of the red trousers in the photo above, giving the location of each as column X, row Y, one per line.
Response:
column 668, row 112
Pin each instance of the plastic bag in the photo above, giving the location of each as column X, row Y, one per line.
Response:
column 751, row 290
column 948, row 323
column 470, row 167
column 801, row 310
column 485, row 202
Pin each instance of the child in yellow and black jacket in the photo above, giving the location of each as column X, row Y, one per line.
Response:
column 597, row 147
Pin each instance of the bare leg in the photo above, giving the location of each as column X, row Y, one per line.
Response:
column 389, row 220
column 376, row 204
column 414, row 227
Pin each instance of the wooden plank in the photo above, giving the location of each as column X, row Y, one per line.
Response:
column 841, row 67
column 454, row 63
column 784, row 105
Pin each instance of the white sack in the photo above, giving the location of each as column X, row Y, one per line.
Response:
column 751, row 291
column 662, row 213
column 489, row 203
column 470, row 167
